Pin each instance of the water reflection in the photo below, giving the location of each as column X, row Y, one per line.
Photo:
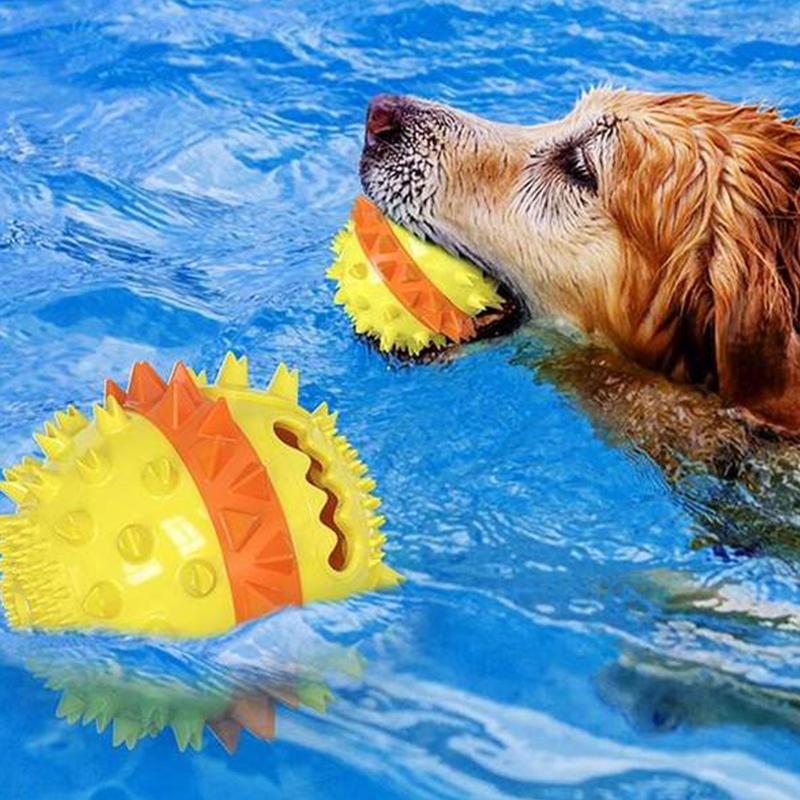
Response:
column 722, row 646
column 137, row 688
column 739, row 480
column 659, row 694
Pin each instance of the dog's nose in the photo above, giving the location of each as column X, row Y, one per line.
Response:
column 384, row 121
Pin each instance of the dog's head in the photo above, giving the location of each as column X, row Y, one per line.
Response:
column 667, row 224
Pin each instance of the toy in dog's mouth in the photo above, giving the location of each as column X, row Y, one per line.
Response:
column 410, row 296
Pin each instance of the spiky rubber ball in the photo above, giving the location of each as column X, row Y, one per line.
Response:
column 184, row 508
column 406, row 293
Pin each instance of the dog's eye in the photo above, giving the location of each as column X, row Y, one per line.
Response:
column 574, row 163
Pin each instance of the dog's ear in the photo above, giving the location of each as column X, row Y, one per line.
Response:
column 708, row 206
column 754, row 276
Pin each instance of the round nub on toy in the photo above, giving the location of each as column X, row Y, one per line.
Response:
column 184, row 508
column 408, row 294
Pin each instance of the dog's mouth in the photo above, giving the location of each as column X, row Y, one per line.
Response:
column 398, row 170
column 495, row 322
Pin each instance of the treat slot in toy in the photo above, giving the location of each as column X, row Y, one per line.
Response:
column 241, row 502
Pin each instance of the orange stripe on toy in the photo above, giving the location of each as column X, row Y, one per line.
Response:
column 419, row 295
column 240, row 499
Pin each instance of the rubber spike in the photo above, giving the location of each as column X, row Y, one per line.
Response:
column 18, row 471
column 325, row 418
column 388, row 578
column 116, row 412
column 188, row 380
column 93, row 466
column 145, row 385
column 42, row 484
column 53, row 447
column 233, row 372
column 199, row 378
column 96, row 708
column 103, row 719
column 321, row 411
column 71, row 421
column 14, row 491
column 366, row 484
column 177, row 404
column 284, row 383
column 110, row 418
column 115, row 391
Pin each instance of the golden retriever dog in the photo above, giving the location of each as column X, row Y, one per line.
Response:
column 664, row 227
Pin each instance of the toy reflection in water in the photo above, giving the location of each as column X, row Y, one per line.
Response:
column 137, row 689
column 135, row 707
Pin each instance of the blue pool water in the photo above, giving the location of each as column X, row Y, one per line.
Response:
column 170, row 175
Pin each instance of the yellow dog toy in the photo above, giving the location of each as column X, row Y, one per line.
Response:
column 406, row 293
column 185, row 508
